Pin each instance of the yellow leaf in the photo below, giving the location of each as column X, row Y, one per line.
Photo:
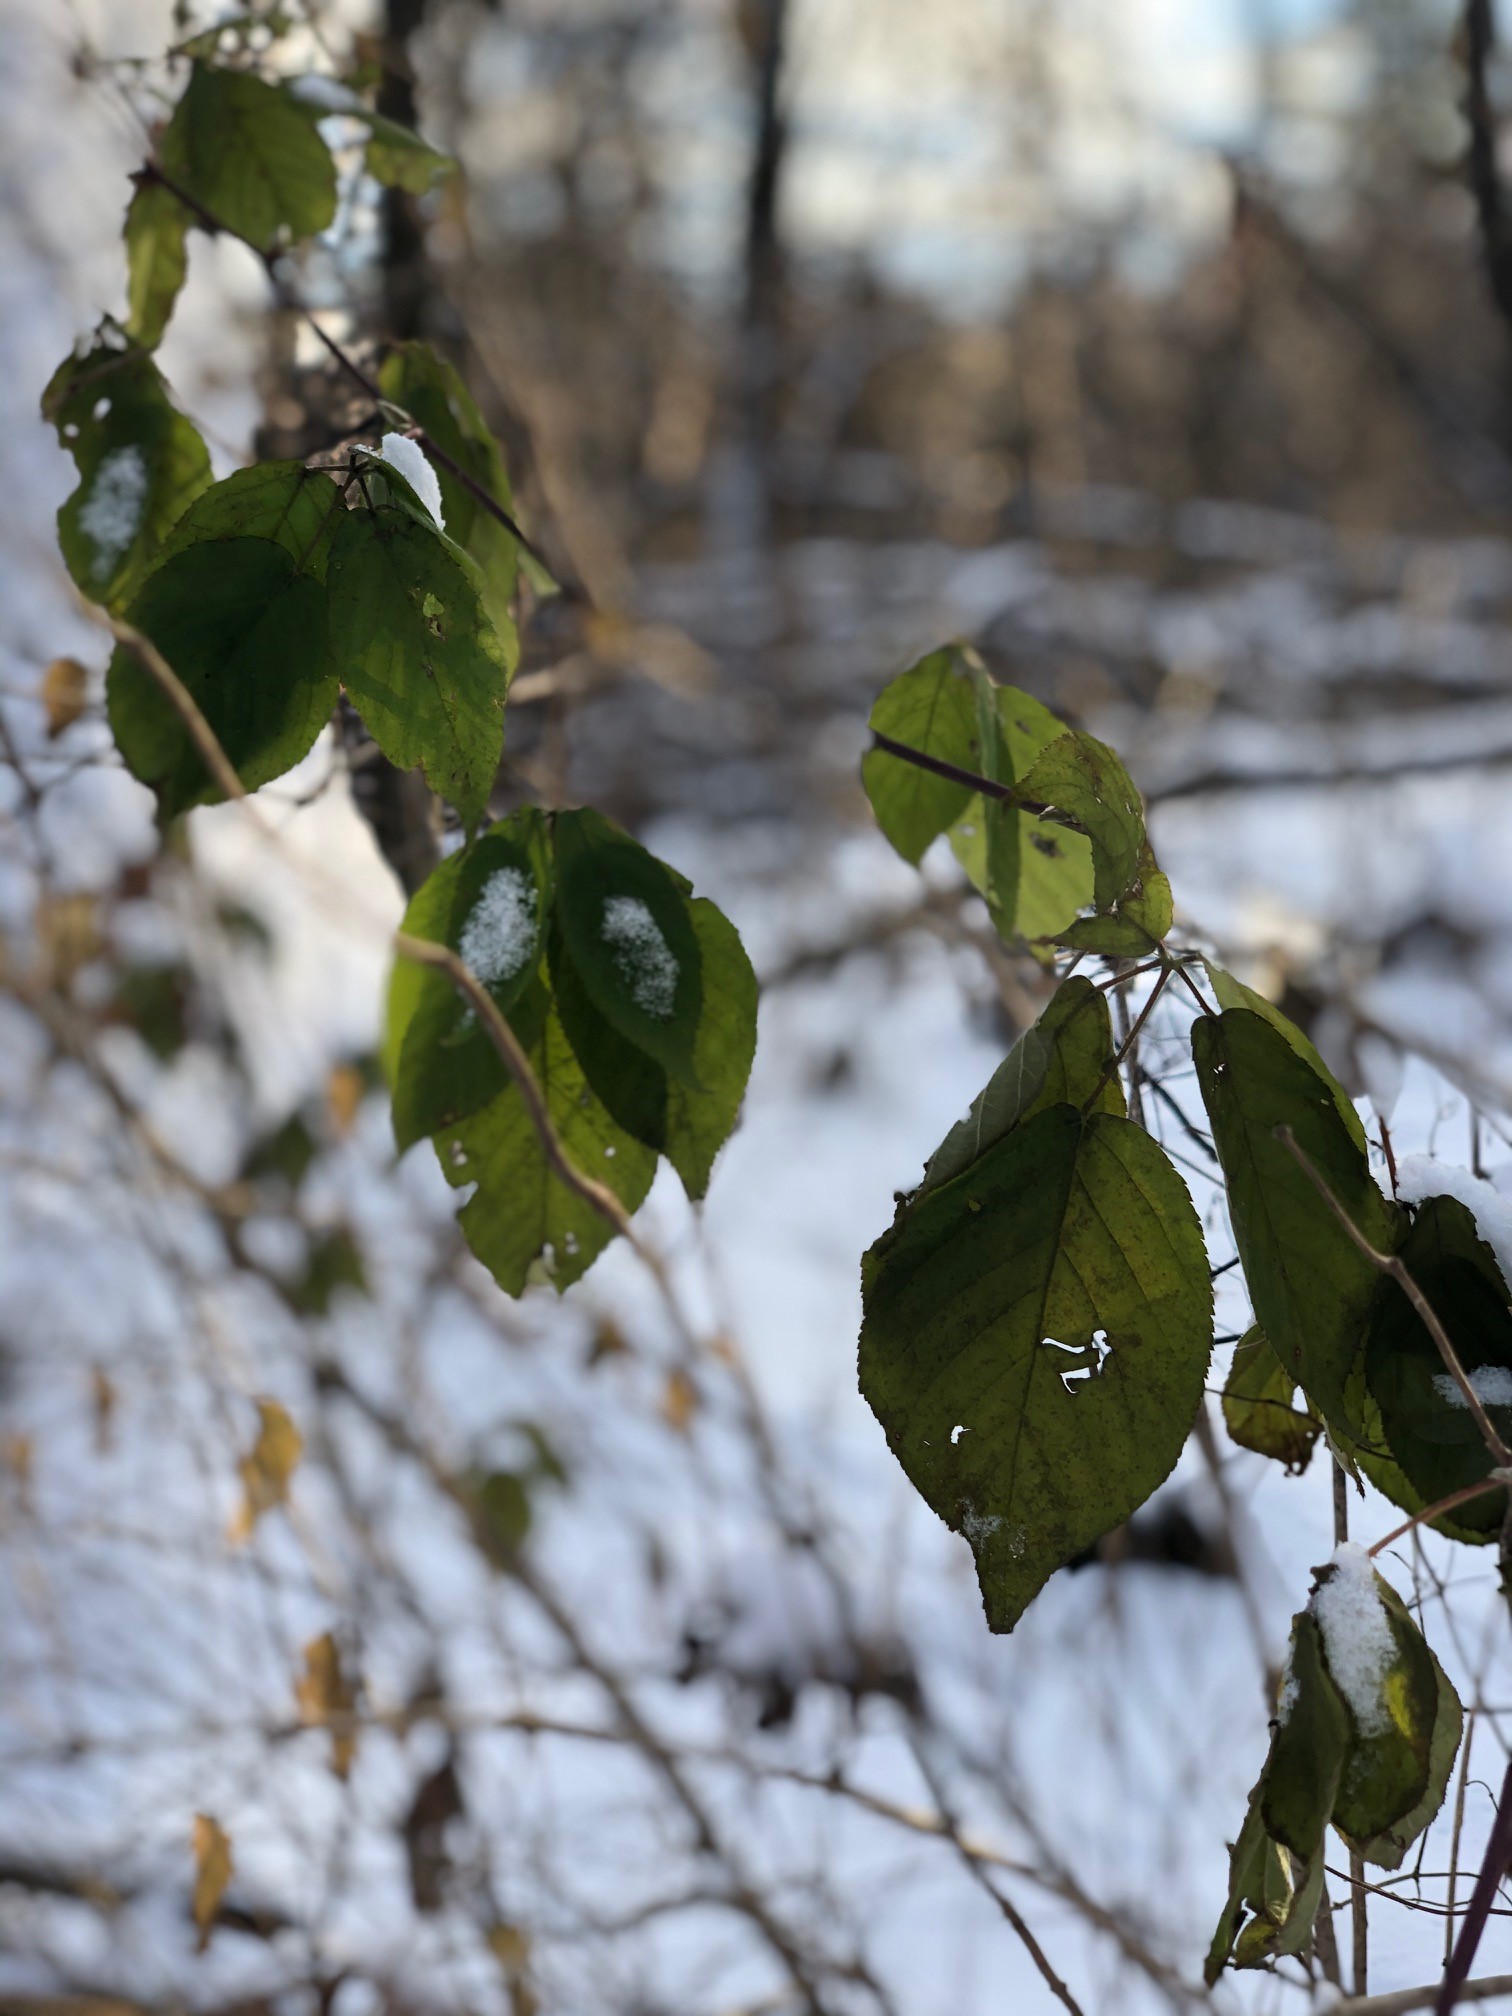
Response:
column 16, row 1452
column 324, row 1694
column 212, row 1872
column 679, row 1401
column 69, row 934
column 103, row 1393
column 266, row 1471
column 64, row 694
column 344, row 1090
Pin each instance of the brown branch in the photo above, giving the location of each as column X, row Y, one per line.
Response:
column 1493, row 1868
column 1479, row 43
column 989, row 787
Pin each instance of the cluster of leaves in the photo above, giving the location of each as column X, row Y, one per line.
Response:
column 270, row 594
column 1038, row 1320
column 633, row 1001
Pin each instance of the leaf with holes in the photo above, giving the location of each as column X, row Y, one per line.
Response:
column 1066, row 1057
column 626, row 927
column 523, row 1219
column 489, row 903
column 249, row 154
column 1034, row 1341
column 245, row 633
column 1258, row 1410
column 1082, row 777
column 141, row 464
column 416, row 651
column 1309, row 1284
column 428, row 388
column 1430, row 1432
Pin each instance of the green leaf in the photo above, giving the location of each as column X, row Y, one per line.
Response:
column 489, row 903
column 1034, row 1342
column 1370, row 1452
column 931, row 707
column 293, row 506
column 503, row 1516
column 1306, row 1762
column 1081, row 776
column 1062, row 1059
column 1430, row 1432
column 249, row 154
column 522, row 1213
column 1386, row 1677
column 1388, row 1849
column 1034, row 875
column 1113, row 937
column 426, row 387
column 1309, row 1284
column 1232, row 993
column 334, row 1260
column 245, row 633
column 425, row 667
column 400, row 159
column 1257, row 1407
column 1276, row 1866
column 157, row 225
column 141, row 464
column 689, row 1124
column 626, row 927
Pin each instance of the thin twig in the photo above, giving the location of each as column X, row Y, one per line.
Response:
column 1493, row 1868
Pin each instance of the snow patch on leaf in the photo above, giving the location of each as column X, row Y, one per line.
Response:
column 500, row 932
column 643, row 956
column 1420, row 1177
column 1492, row 1385
column 112, row 515
column 409, row 459
column 1357, row 1637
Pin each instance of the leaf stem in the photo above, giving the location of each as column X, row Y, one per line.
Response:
column 989, row 787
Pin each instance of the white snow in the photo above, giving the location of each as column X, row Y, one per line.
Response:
column 408, row 457
column 328, row 95
column 1492, row 1385
column 1423, row 1176
column 642, row 954
column 112, row 514
column 1287, row 1699
column 1357, row 1640
column 500, row 932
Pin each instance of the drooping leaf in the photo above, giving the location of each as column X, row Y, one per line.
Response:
column 1081, row 776
column 157, row 225
column 1370, row 1452
column 245, row 634
column 1063, row 1058
column 141, row 464
column 1309, row 1284
column 1232, row 993
column 689, row 1124
column 522, row 1212
column 213, row 1869
column 1430, row 1432
column 415, row 649
column 626, row 926
column 268, row 1467
column 1035, row 875
column 1258, row 1410
column 293, row 506
column 426, row 386
column 932, row 707
column 64, row 693
column 1034, row 1342
column 1276, row 1866
column 1386, row 1678
column 1388, row 1849
column 489, row 903
column 400, row 159
column 249, row 154
column 325, row 1693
